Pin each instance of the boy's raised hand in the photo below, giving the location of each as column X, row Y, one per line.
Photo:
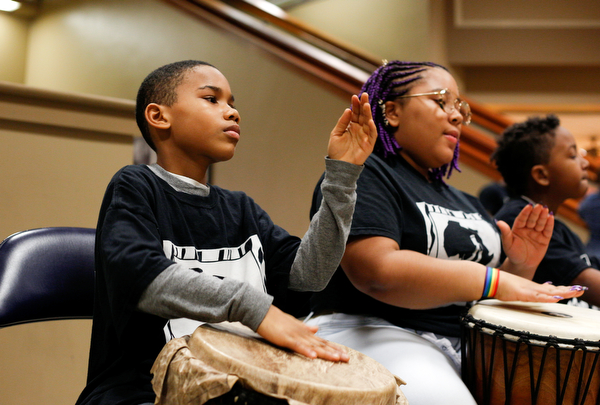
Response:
column 286, row 331
column 353, row 138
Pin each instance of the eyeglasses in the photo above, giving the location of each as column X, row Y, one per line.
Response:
column 446, row 103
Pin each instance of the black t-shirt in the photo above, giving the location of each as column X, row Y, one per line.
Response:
column 141, row 218
column 397, row 202
column 566, row 256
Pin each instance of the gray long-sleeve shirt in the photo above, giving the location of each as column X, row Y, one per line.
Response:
column 180, row 293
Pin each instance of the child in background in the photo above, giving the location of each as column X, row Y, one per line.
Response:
column 172, row 250
column 541, row 164
column 589, row 211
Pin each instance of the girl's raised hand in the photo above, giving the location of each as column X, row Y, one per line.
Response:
column 526, row 243
column 353, row 138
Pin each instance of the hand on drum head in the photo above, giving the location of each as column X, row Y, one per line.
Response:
column 526, row 243
column 286, row 331
column 353, row 138
column 515, row 288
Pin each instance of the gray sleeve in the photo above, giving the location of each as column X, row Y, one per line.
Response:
column 178, row 292
column 323, row 245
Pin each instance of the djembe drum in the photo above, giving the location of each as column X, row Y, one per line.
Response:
column 531, row 353
column 229, row 366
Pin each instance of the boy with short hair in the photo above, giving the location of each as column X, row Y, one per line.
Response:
column 540, row 163
column 172, row 250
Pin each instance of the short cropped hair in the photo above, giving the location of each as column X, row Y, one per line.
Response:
column 160, row 87
column 390, row 81
column 522, row 146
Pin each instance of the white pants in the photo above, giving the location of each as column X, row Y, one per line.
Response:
column 432, row 377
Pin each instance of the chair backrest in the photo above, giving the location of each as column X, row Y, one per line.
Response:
column 47, row 274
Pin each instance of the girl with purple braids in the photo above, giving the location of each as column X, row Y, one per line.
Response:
column 419, row 250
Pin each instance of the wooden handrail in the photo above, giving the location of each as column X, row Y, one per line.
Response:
column 340, row 65
column 556, row 108
column 310, row 58
column 276, row 16
column 487, row 118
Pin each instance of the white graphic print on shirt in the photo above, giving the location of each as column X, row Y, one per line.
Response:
column 244, row 263
column 459, row 235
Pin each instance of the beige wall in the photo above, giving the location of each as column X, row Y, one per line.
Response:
column 414, row 30
column 397, row 29
column 44, row 362
column 526, row 51
column 59, row 151
column 53, row 178
column 13, row 47
column 524, row 32
column 54, row 159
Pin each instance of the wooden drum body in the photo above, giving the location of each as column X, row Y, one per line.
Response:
column 206, row 365
column 531, row 353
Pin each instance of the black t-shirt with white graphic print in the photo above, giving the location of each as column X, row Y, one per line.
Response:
column 397, row 202
column 145, row 226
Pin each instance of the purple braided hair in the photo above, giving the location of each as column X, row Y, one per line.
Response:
column 390, row 81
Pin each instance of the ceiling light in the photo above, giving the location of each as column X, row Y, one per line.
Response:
column 9, row 5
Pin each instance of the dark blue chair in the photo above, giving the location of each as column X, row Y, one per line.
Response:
column 47, row 274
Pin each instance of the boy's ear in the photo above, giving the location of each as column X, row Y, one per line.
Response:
column 392, row 113
column 156, row 116
column 539, row 173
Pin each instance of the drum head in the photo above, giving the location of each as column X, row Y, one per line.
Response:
column 267, row 369
column 544, row 319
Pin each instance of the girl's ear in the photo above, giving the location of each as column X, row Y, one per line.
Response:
column 156, row 116
column 392, row 113
column 539, row 173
